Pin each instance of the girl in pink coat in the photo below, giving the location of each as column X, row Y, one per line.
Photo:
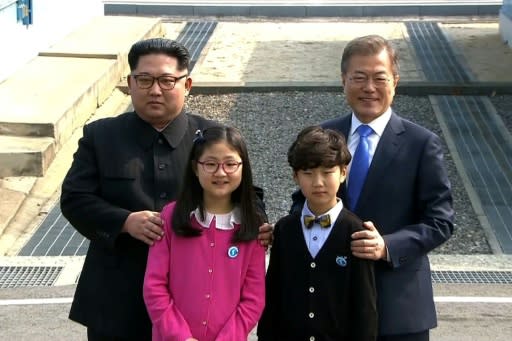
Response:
column 205, row 280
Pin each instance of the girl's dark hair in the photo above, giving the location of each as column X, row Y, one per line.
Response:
column 318, row 147
column 169, row 47
column 191, row 193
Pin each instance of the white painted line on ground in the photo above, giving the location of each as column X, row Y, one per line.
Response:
column 472, row 299
column 443, row 299
column 32, row 301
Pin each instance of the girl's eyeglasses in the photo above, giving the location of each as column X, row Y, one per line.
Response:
column 213, row 166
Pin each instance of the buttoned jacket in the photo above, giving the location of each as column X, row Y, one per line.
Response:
column 122, row 165
column 407, row 195
column 330, row 297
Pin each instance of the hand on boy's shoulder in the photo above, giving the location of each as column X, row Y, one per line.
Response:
column 368, row 243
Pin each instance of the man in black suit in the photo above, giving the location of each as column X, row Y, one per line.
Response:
column 124, row 171
column 405, row 196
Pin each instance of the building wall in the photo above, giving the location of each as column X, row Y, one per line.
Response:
column 506, row 22
column 52, row 20
column 507, row 6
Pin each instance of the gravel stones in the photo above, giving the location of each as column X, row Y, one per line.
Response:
column 270, row 122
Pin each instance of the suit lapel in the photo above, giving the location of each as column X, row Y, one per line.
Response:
column 345, row 130
column 345, row 125
column 387, row 149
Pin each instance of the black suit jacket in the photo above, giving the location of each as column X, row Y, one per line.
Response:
column 122, row 165
column 407, row 195
column 338, row 288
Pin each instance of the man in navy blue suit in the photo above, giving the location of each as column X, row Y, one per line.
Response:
column 405, row 197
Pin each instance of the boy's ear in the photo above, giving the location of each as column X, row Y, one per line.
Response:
column 343, row 174
column 295, row 178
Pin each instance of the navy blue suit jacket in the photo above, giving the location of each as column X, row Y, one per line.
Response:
column 407, row 195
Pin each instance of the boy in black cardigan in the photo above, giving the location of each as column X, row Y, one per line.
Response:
column 315, row 289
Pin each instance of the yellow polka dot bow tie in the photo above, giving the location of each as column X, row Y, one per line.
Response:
column 324, row 221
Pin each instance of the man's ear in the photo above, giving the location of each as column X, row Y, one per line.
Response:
column 396, row 78
column 343, row 80
column 128, row 82
column 188, row 85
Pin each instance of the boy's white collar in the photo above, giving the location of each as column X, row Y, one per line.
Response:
column 333, row 212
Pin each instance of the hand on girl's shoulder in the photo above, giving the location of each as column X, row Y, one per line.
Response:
column 265, row 234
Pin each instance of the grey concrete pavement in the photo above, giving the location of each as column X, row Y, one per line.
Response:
column 46, row 318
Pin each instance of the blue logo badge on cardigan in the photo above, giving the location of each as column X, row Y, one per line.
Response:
column 233, row 252
column 341, row 261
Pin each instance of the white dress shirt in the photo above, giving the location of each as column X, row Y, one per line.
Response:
column 378, row 125
column 316, row 236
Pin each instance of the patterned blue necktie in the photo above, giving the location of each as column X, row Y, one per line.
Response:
column 360, row 165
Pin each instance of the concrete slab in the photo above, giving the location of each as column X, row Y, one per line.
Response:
column 25, row 156
column 303, row 52
column 43, row 192
column 52, row 96
column 470, row 39
column 22, row 184
column 172, row 29
column 10, row 201
column 107, row 37
column 56, row 92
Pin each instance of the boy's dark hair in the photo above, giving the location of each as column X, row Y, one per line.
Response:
column 159, row 46
column 318, row 147
column 191, row 194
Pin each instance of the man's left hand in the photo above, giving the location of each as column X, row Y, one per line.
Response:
column 368, row 244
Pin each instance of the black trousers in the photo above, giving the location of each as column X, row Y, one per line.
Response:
column 422, row 336
column 93, row 335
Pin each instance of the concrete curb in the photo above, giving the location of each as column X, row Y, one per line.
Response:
column 301, row 9
column 404, row 88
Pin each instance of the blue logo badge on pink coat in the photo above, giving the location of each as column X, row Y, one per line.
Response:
column 233, row 252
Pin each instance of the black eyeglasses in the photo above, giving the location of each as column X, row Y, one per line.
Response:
column 165, row 82
column 378, row 81
column 212, row 167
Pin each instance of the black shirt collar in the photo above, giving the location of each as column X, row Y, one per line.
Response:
column 176, row 129
column 173, row 133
